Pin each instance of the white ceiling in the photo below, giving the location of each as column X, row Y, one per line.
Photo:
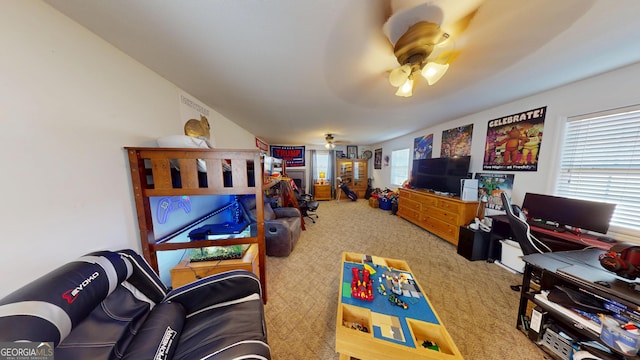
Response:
column 290, row 71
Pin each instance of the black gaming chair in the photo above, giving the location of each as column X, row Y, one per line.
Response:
column 521, row 231
column 308, row 206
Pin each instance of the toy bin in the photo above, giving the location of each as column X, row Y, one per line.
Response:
column 385, row 204
column 618, row 338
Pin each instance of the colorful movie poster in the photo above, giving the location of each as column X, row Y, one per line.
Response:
column 513, row 142
column 423, row 147
column 490, row 186
column 293, row 155
column 456, row 141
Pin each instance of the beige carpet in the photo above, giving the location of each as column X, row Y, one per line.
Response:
column 473, row 299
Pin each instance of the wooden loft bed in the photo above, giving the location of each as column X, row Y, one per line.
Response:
column 152, row 175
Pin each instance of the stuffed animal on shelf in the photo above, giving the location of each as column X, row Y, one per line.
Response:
column 198, row 128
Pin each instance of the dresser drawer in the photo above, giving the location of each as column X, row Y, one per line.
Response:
column 409, row 204
column 409, row 214
column 442, row 229
column 446, row 216
column 449, row 205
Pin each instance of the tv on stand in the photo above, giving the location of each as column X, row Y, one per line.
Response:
column 440, row 175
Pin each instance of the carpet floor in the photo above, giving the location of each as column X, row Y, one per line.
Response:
column 472, row 298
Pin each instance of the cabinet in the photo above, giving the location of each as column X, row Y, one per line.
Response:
column 438, row 214
column 322, row 192
column 354, row 173
column 576, row 272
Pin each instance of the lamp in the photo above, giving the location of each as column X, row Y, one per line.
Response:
column 412, row 50
column 329, row 144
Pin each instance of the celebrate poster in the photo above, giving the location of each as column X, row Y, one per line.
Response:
column 513, row 142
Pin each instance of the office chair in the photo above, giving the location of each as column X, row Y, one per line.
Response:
column 308, row 206
column 522, row 232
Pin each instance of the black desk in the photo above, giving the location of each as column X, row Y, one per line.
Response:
column 578, row 269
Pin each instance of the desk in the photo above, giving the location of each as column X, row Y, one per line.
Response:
column 579, row 270
column 558, row 241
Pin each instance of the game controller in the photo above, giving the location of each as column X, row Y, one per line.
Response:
column 168, row 204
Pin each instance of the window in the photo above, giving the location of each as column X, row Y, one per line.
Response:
column 399, row 166
column 600, row 161
column 321, row 165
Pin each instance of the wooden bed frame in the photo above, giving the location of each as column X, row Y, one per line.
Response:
column 151, row 176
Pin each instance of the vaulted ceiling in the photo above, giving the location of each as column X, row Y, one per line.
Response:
column 290, row 71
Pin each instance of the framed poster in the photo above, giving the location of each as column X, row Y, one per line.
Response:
column 377, row 159
column 456, row 141
column 352, row 151
column 513, row 142
column 423, row 147
column 490, row 186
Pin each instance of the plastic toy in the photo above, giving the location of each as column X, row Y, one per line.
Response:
column 396, row 300
column 361, row 289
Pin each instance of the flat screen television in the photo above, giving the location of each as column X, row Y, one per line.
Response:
column 440, row 174
column 582, row 214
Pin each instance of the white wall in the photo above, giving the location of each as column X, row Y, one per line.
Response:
column 608, row 91
column 69, row 103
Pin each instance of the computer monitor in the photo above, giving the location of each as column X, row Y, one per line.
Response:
column 582, row 214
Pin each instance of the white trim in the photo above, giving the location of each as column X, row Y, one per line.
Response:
column 248, row 356
column 251, row 297
column 138, row 294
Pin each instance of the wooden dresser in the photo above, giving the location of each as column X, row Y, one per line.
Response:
column 438, row 214
column 322, row 192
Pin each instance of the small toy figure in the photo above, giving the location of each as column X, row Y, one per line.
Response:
column 430, row 345
column 396, row 300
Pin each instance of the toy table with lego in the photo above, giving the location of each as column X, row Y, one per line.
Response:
column 382, row 329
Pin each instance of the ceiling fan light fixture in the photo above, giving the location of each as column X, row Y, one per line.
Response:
column 329, row 144
column 399, row 76
column 434, row 72
column 406, row 89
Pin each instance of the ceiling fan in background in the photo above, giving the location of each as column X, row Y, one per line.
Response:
column 422, row 33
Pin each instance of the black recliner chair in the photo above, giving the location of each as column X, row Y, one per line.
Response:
column 111, row 305
column 308, row 206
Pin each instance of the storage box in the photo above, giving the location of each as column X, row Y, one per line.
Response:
column 373, row 202
column 511, row 255
column 624, row 341
column 473, row 244
column 385, row 204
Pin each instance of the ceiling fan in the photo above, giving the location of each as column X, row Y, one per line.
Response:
column 422, row 33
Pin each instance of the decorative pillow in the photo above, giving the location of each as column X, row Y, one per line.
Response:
column 184, row 141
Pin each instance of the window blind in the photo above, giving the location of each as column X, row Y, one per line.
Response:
column 600, row 161
column 399, row 166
